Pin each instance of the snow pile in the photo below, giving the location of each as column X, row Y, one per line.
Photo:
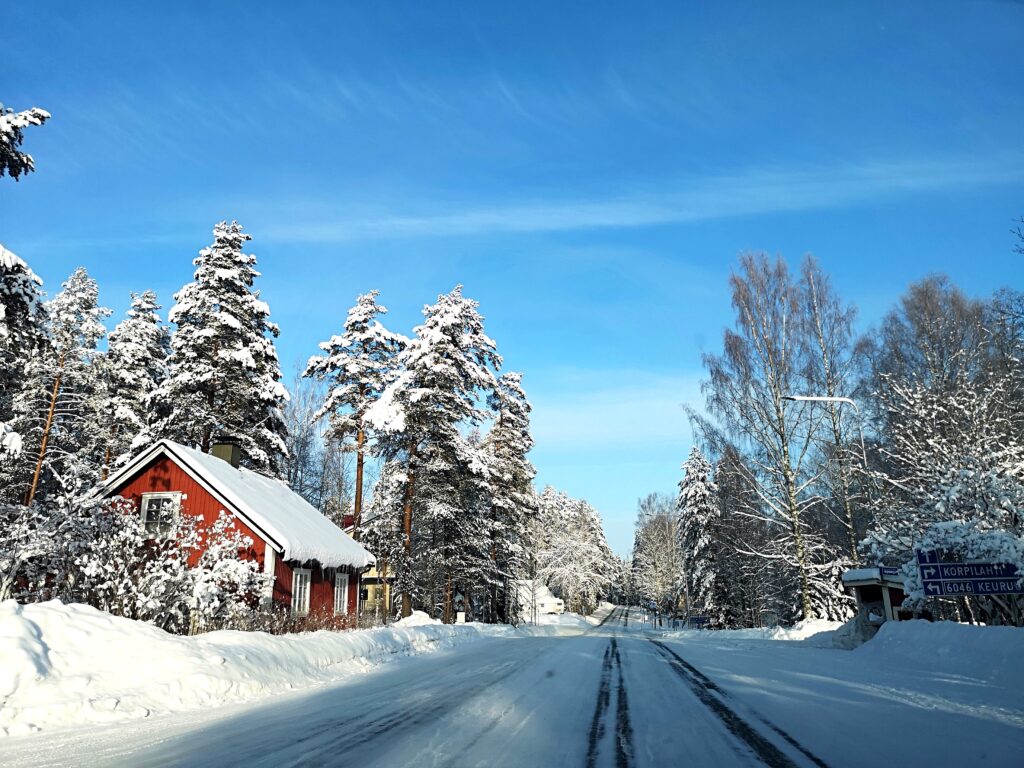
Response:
column 813, row 631
column 416, row 619
column 816, row 632
column 992, row 654
column 65, row 664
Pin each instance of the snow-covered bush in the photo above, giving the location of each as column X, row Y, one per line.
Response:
column 97, row 552
column 225, row 587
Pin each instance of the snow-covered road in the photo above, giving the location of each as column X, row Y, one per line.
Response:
column 618, row 695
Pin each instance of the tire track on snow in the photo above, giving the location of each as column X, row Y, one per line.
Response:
column 711, row 695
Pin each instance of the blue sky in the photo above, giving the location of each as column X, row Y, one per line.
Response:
column 589, row 171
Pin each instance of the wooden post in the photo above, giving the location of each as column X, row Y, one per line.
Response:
column 382, row 583
column 447, row 615
column 407, row 528
column 46, row 434
column 357, row 511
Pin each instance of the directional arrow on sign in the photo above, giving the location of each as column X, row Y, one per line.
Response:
column 934, row 586
column 928, row 572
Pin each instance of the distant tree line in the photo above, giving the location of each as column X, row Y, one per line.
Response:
column 784, row 496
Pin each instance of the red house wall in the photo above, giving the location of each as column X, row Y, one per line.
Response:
column 163, row 475
column 354, row 581
column 282, row 582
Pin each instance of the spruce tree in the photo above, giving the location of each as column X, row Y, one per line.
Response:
column 21, row 333
column 698, row 515
column 512, row 499
column 225, row 378
column 445, row 370
column 13, row 161
column 136, row 365
column 357, row 366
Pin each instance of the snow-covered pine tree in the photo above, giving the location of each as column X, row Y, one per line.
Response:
column 21, row 333
column 511, row 495
column 698, row 514
column 357, row 366
column 445, row 371
column 52, row 411
column 136, row 365
column 13, row 161
column 225, row 378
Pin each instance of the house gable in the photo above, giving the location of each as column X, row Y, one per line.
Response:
column 287, row 532
column 162, row 474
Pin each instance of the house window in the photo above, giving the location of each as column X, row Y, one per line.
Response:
column 160, row 512
column 300, row 591
column 340, row 593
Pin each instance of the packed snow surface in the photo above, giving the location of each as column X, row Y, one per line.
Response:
column 606, row 691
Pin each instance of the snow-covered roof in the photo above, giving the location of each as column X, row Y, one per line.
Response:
column 293, row 526
column 861, row 576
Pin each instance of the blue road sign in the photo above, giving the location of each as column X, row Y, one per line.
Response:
column 973, row 587
column 976, row 570
column 951, row 579
column 931, row 556
column 890, row 572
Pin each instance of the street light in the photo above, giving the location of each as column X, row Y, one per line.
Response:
column 841, row 400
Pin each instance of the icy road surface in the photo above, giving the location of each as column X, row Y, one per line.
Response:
column 618, row 695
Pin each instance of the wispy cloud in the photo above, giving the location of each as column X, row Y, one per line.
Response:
column 761, row 191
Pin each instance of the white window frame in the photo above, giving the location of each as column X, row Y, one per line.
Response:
column 297, row 575
column 175, row 496
column 341, row 597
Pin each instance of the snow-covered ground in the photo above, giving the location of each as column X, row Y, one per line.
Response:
column 580, row 693
column 66, row 664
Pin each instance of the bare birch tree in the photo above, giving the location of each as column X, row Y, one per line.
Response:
column 764, row 360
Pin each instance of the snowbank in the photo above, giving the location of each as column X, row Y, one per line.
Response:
column 65, row 664
column 416, row 619
column 817, row 632
column 992, row 654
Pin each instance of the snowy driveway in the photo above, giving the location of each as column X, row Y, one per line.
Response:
column 614, row 696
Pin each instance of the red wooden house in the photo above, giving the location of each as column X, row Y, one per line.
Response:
column 316, row 566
